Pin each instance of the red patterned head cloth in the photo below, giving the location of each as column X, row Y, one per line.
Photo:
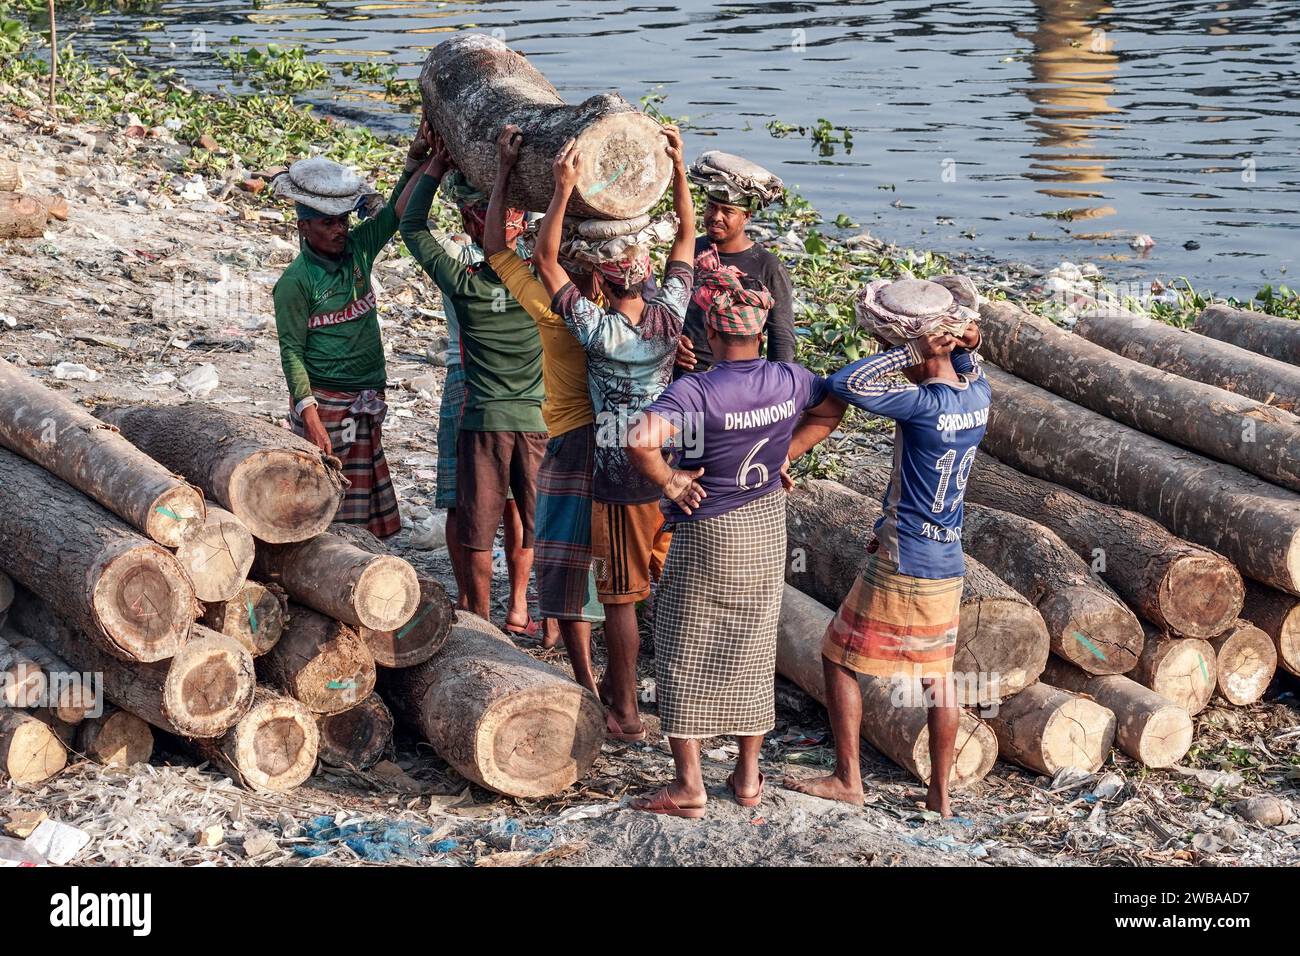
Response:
column 736, row 303
column 474, row 218
column 628, row 271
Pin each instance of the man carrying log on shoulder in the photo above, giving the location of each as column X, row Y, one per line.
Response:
column 718, row 606
column 327, row 318
column 566, row 587
column 736, row 189
column 630, row 345
column 502, row 435
column 899, row 620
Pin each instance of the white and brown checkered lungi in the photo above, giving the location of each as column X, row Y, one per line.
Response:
column 716, row 616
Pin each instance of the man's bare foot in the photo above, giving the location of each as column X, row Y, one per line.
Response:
column 938, row 803
column 828, row 788
column 550, row 633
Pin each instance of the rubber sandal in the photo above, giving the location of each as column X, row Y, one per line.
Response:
column 615, row 730
column 527, row 630
column 753, row 801
column 661, row 802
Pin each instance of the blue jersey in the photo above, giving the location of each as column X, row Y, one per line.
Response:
column 939, row 426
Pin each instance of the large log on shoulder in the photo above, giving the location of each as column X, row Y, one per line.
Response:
column 69, row 442
column 200, row 692
column 473, row 84
column 127, row 593
column 893, row 718
column 1258, row 438
column 279, row 485
column 1278, row 616
column 1269, row 335
column 501, row 719
column 1254, row 524
column 1179, row 587
column 1191, row 355
column 1002, row 642
column 1086, row 621
column 1045, row 728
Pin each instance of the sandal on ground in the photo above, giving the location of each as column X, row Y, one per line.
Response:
column 615, row 730
column 753, row 801
column 662, row 802
column 529, row 629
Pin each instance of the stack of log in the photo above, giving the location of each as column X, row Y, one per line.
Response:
column 1135, row 511
column 131, row 535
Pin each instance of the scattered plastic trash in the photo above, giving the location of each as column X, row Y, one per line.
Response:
column 946, row 844
column 8, row 320
column 75, row 372
column 376, row 841
column 201, row 382
column 1215, row 780
column 57, row 842
column 18, row 853
column 1142, row 241
column 1109, row 785
column 160, row 378
column 429, row 532
column 591, row 811
column 507, row 834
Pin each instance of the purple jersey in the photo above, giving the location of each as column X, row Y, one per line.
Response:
column 735, row 421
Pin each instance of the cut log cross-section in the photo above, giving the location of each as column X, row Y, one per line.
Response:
column 70, row 443
column 357, row 737
column 70, row 694
column 332, row 575
column 279, row 485
column 200, row 692
column 23, row 683
column 1087, row 622
column 254, row 617
column 1269, row 335
column 1254, row 524
column 22, row 217
column 1247, row 661
column 1150, row 729
column 502, row 719
column 116, row 738
column 1177, row 586
column 474, row 84
column 893, row 717
column 1045, row 728
column 1002, row 642
column 216, row 556
column 1278, row 616
column 127, row 593
column 319, row 661
column 1179, row 669
column 29, row 750
column 272, row 748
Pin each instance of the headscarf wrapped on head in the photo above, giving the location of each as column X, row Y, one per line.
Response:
column 904, row 309
column 473, row 205
column 628, row 271
column 732, row 301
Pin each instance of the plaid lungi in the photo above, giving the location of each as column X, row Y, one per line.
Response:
column 356, row 437
column 894, row 625
column 566, row 585
column 449, row 415
column 716, row 614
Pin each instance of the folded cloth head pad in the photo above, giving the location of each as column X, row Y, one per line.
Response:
column 618, row 249
column 321, row 186
column 735, row 181
column 906, row 309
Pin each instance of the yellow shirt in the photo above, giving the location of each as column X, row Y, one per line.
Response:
column 567, row 404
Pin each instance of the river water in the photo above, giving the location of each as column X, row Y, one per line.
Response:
column 1026, row 130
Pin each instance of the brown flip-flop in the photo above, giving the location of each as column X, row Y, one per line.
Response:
column 753, row 801
column 615, row 730
column 662, row 802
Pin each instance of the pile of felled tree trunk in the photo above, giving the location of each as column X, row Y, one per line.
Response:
column 1132, row 535
column 176, row 568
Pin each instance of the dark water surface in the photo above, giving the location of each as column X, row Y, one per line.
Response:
column 1028, row 130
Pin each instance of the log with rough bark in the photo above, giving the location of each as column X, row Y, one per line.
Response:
column 126, row 592
column 419, row 638
column 1269, row 335
column 1046, row 728
column 358, row 737
column 1179, row 669
column 200, row 692
column 22, row 216
column 1086, row 621
column 1152, row 730
column 1254, row 524
column 1198, row 357
column 501, row 719
column 1179, row 587
column 29, row 750
column 1247, row 661
column 319, row 661
column 6, row 593
column 70, row 443
column 116, row 738
column 1002, row 642
column 23, row 683
column 1278, row 616
column 473, row 84
column 70, row 694
column 254, row 617
column 279, row 485
column 272, row 748
column 216, row 556
column 1258, row 438
column 332, row 575
column 893, row 719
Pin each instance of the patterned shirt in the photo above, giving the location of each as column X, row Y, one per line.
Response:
column 628, row 366
column 939, row 426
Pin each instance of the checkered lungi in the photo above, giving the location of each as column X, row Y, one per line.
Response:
column 716, row 615
column 566, row 585
column 449, row 415
column 894, row 625
column 353, row 421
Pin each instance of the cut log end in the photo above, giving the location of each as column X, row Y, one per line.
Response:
column 1002, row 647
column 117, row 739
column 357, row 737
column 1181, row 670
column 276, row 745
column 624, row 167
column 387, row 594
column 254, row 617
column 1045, row 728
column 1247, row 660
column 419, row 638
column 530, row 740
column 217, row 555
column 143, row 604
column 1165, row 738
column 1200, row 595
column 30, row 751
column 976, row 750
column 1099, row 635
column 283, row 495
column 175, row 515
column 209, row 684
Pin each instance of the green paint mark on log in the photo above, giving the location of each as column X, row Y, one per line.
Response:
column 252, row 616
column 406, row 629
column 1090, row 646
column 601, row 187
column 164, row 510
